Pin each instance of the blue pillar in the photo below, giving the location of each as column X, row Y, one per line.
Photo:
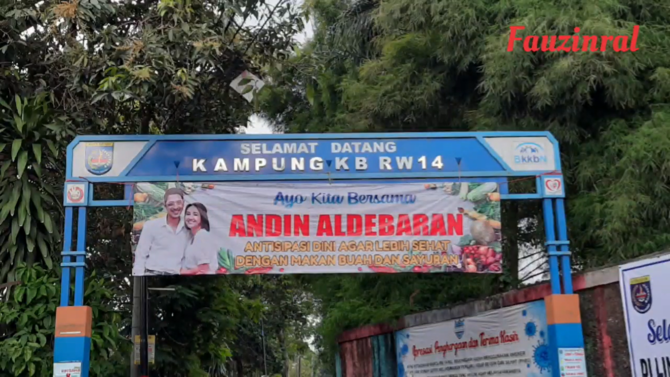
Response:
column 67, row 247
column 81, row 258
column 564, row 324
column 562, row 226
column 551, row 247
column 72, row 344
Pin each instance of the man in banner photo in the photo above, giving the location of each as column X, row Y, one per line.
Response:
column 163, row 239
column 317, row 227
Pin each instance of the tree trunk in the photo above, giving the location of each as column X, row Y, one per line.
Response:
column 287, row 359
column 510, row 217
column 239, row 367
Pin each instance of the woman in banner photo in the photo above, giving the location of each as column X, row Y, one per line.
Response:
column 200, row 255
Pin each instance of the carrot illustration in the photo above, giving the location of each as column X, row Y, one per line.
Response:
column 383, row 269
column 258, row 270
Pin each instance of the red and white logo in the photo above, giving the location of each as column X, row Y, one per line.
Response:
column 75, row 194
column 553, row 186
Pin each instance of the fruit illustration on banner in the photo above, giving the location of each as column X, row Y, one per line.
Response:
column 227, row 264
column 481, row 251
column 258, row 270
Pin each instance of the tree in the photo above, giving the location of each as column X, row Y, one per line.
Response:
column 27, row 325
column 107, row 67
column 444, row 66
column 33, row 138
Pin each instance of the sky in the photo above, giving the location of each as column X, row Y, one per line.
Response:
column 256, row 124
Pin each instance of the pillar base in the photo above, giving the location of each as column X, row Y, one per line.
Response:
column 566, row 338
column 73, row 337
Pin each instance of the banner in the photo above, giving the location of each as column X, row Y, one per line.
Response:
column 290, row 228
column 646, row 307
column 506, row 342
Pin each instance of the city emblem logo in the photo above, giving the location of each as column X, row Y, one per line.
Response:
column 75, row 194
column 99, row 157
column 640, row 293
column 529, row 153
column 459, row 328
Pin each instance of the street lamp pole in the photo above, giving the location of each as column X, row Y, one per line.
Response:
column 144, row 333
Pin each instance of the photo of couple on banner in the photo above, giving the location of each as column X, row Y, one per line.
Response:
column 175, row 241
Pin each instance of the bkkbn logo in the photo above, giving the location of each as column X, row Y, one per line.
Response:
column 529, row 153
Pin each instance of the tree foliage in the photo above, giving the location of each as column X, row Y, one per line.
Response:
column 27, row 325
column 110, row 67
column 33, row 138
column 425, row 65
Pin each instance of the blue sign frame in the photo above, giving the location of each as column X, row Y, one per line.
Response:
column 494, row 156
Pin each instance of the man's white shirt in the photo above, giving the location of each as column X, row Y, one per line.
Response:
column 160, row 248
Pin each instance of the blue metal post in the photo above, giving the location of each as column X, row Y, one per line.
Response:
column 128, row 193
column 81, row 259
column 67, row 247
column 564, row 248
column 551, row 237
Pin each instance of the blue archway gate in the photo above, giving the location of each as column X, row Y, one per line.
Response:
column 492, row 156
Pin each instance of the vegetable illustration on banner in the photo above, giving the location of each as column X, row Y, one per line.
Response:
column 260, row 228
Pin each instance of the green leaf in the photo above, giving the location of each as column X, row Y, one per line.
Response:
column 37, row 169
column 19, row 106
column 310, row 94
column 4, row 168
column 47, row 223
column 5, row 104
column 2, row 146
column 42, row 246
column 22, row 214
column 19, row 123
column 16, row 146
column 4, row 212
column 247, row 89
column 30, row 243
column 15, row 229
column 496, row 246
column 23, row 160
column 16, row 195
column 466, row 240
column 31, row 295
column 52, row 147
column 37, row 150
column 244, row 81
column 27, row 227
